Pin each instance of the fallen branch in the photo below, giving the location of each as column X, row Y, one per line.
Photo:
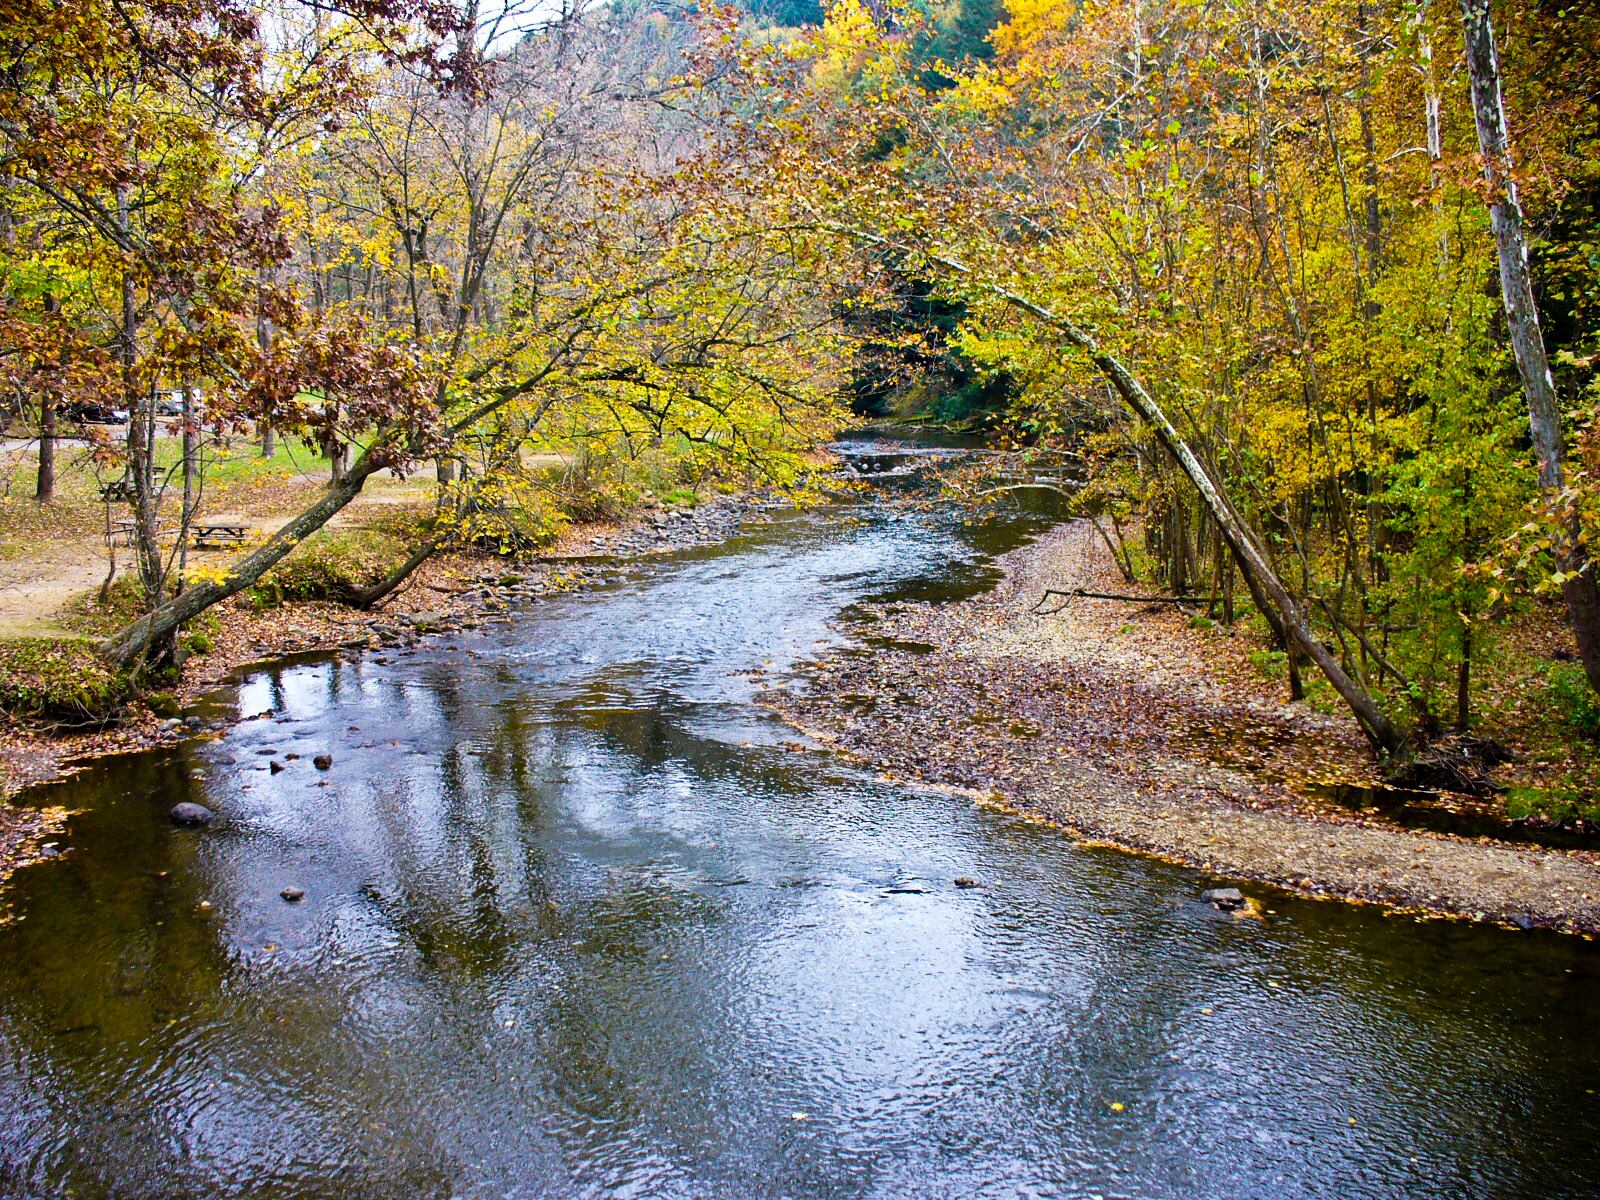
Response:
column 1076, row 593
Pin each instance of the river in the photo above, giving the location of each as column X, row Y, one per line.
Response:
column 582, row 919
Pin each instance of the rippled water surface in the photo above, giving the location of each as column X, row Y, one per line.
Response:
column 582, row 920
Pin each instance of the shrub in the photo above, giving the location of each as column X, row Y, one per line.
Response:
column 1575, row 700
column 60, row 679
column 1560, row 805
column 513, row 521
column 1274, row 664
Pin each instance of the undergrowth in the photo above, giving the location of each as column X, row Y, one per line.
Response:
column 60, row 679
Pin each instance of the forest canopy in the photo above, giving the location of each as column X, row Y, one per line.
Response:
column 1254, row 268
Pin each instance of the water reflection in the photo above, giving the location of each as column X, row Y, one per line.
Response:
column 579, row 922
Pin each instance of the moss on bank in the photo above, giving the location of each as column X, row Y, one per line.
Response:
column 61, row 680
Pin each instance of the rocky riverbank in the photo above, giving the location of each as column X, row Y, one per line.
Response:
column 451, row 592
column 1124, row 725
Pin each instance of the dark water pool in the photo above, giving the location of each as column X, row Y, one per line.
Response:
column 581, row 920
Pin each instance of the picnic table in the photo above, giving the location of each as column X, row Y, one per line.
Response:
column 117, row 489
column 127, row 533
column 218, row 532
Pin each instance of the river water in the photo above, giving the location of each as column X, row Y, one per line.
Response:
column 581, row 919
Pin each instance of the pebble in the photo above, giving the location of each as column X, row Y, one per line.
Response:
column 189, row 813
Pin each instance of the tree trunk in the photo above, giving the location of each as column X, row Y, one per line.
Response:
column 191, row 495
column 129, row 645
column 45, row 490
column 1527, row 339
column 1253, row 564
column 264, row 343
column 368, row 597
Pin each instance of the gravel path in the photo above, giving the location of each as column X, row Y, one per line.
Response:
column 1124, row 725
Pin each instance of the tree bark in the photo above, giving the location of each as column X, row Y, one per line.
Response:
column 1578, row 586
column 191, row 478
column 264, row 343
column 44, row 489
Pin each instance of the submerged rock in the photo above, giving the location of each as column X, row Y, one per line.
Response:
column 1226, row 899
column 293, row 894
column 322, row 761
column 189, row 813
column 966, row 881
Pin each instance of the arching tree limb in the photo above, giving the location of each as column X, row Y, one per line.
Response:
column 1282, row 611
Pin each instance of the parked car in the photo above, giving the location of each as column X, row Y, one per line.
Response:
column 170, row 404
column 90, row 413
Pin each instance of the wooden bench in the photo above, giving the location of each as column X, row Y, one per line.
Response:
column 117, row 489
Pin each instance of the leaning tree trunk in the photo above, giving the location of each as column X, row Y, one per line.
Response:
column 1578, row 585
column 131, row 644
column 368, row 597
column 1253, row 562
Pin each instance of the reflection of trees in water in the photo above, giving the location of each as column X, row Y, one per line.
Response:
column 137, row 1020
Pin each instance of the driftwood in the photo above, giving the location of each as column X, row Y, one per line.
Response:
column 1083, row 593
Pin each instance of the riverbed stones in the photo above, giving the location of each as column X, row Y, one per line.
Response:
column 966, row 881
column 1227, row 899
column 322, row 761
column 191, row 814
column 293, row 894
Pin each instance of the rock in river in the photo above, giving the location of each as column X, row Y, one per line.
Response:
column 322, row 761
column 293, row 894
column 189, row 813
column 1227, row 899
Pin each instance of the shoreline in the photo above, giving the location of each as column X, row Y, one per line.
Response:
column 451, row 592
column 1115, row 723
column 1123, row 727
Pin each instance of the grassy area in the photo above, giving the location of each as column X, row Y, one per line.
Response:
column 228, row 470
